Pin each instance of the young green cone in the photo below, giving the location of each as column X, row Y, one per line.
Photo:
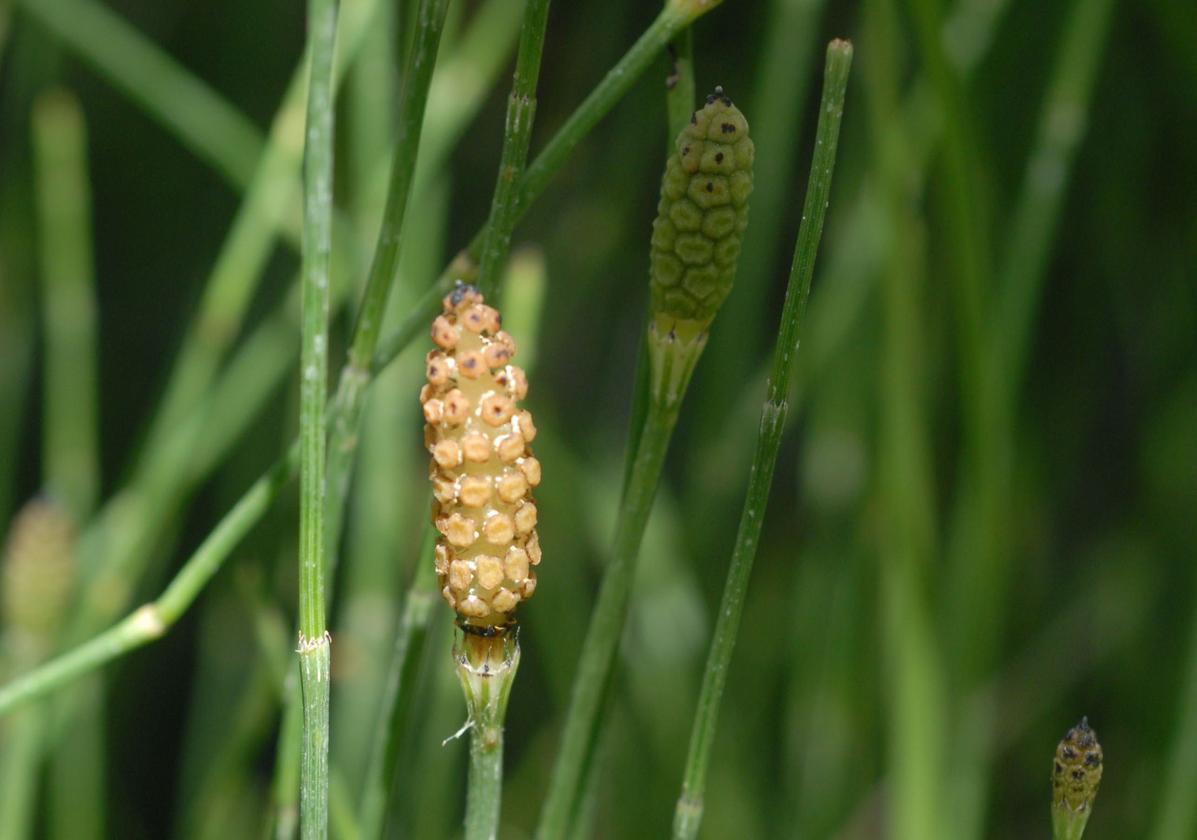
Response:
column 1076, row 773
column 696, row 239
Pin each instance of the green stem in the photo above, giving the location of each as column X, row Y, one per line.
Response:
column 486, row 667
column 355, row 375
column 517, row 136
column 602, row 99
column 314, row 642
column 413, row 100
column 70, row 448
column 688, row 815
column 606, row 622
column 484, row 795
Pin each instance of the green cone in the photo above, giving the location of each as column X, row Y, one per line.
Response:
column 696, row 237
column 702, row 215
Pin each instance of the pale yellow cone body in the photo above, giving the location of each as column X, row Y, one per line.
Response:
column 482, row 469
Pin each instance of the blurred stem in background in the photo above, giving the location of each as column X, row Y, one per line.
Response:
column 688, row 814
column 918, row 711
column 71, row 422
column 69, row 448
column 70, row 459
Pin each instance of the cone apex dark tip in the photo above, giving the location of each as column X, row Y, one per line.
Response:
column 461, row 290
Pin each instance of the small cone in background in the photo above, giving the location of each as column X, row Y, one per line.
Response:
column 39, row 572
column 696, row 239
column 1076, row 774
column 482, row 470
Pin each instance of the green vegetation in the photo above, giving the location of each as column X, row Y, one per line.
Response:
column 948, row 504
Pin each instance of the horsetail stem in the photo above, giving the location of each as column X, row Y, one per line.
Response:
column 315, row 656
column 696, row 228
column 1076, row 774
column 689, row 810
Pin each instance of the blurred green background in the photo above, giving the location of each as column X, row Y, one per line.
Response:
column 996, row 415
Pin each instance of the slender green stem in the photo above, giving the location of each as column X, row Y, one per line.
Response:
column 517, row 136
column 688, row 815
column 70, row 456
column 71, row 471
column 206, row 560
column 484, row 795
column 602, row 99
column 215, row 131
column 314, row 642
column 414, row 98
column 486, row 668
column 355, row 375
column 606, row 622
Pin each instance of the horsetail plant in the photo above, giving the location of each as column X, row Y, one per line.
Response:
column 482, row 476
column 1076, row 774
column 701, row 217
column 688, row 814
